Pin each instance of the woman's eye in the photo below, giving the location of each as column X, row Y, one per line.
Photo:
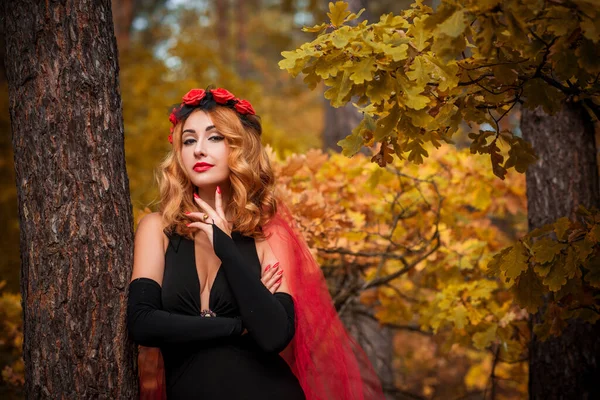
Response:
column 213, row 138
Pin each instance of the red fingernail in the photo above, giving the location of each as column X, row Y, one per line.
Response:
column 195, row 196
column 268, row 266
column 280, row 272
column 278, row 280
column 276, row 265
column 187, row 212
column 218, row 190
column 188, row 224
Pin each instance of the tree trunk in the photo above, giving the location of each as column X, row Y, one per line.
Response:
column 76, row 227
column 567, row 367
column 339, row 123
column 222, row 25
column 122, row 12
column 376, row 341
column 243, row 68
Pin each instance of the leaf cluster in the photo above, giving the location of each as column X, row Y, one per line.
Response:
column 416, row 76
column 559, row 262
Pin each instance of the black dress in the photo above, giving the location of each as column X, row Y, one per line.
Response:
column 226, row 367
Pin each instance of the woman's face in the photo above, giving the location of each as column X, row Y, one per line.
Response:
column 204, row 151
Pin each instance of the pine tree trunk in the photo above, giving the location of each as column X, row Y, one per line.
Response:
column 76, row 228
column 567, row 367
column 222, row 22
column 242, row 55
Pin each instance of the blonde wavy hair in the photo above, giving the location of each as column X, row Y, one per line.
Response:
column 252, row 202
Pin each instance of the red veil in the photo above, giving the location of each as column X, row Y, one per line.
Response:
column 327, row 361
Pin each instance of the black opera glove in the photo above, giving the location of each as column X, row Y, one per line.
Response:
column 268, row 317
column 149, row 325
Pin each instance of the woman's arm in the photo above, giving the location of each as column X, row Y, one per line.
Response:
column 268, row 317
column 150, row 326
column 147, row 323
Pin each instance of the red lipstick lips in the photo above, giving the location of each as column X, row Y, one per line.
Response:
column 202, row 166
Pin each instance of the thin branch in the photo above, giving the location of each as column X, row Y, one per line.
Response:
column 410, row 328
column 492, row 381
column 492, row 64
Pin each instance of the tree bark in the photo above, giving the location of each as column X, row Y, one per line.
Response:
column 76, row 226
column 566, row 174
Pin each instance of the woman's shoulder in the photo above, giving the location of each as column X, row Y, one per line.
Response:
column 152, row 225
column 150, row 221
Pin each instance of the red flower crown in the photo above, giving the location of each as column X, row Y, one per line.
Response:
column 220, row 95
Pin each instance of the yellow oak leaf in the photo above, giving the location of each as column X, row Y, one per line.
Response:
column 592, row 275
column 540, row 93
column 363, row 70
column 516, row 261
column 387, row 124
column 529, row 291
column 557, row 276
column 419, row 33
column 545, row 249
column 583, row 248
column 561, row 226
column 459, row 316
column 338, row 12
column 455, row 25
column 571, row 264
column 482, row 339
column 341, row 37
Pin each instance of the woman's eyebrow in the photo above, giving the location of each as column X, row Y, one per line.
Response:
column 208, row 128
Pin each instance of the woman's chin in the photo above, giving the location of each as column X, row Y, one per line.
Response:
column 206, row 183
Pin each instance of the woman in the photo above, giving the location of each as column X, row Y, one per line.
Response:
column 222, row 283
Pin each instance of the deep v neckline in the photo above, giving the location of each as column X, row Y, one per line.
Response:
column 210, row 294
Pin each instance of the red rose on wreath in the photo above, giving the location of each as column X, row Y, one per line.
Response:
column 193, row 97
column 221, row 95
column 171, row 139
column 173, row 118
column 244, row 107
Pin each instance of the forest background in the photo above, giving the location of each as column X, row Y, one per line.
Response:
column 436, row 325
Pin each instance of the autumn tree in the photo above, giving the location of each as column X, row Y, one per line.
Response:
column 407, row 246
column 76, row 236
column 420, row 74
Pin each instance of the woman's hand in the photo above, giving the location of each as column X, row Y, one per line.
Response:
column 271, row 277
column 209, row 216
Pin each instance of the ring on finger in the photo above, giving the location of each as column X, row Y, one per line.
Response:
column 204, row 217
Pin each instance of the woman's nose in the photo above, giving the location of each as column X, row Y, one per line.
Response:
column 199, row 150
